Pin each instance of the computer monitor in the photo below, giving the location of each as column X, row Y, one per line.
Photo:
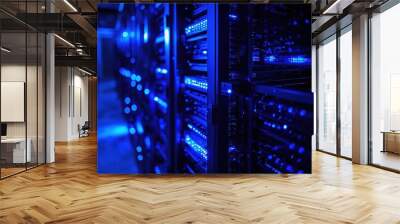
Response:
column 3, row 129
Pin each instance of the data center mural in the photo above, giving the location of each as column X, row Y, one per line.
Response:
column 204, row 88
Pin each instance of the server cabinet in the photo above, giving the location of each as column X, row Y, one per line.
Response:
column 266, row 88
column 195, row 71
column 214, row 88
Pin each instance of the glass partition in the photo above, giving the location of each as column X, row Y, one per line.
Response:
column 346, row 93
column 327, row 95
column 385, row 89
column 22, row 89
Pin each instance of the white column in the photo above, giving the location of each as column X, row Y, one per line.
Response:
column 50, row 93
column 360, row 90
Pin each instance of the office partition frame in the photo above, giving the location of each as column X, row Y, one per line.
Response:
column 337, row 34
column 39, row 54
column 382, row 8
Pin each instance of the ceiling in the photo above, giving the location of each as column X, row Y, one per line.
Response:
column 76, row 20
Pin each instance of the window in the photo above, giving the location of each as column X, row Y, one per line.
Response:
column 385, row 89
column 327, row 96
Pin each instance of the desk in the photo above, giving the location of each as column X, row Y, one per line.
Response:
column 391, row 141
column 16, row 147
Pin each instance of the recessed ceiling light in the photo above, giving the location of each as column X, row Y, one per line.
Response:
column 70, row 5
column 84, row 71
column 64, row 40
column 5, row 50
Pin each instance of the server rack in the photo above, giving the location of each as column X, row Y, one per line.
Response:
column 196, row 74
column 224, row 88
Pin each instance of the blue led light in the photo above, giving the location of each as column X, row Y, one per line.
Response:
column 133, row 76
column 140, row 157
column 166, row 35
column 197, row 131
column 204, row 52
column 147, row 142
column 289, row 168
column 270, row 58
column 127, row 100
column 125, row 34
column 138, row 78
column 196, row 27
column 132, row 131
column 139, row 87
column 127, row 110
column 233, row 16
column 125, row 72
column 134, row 107
column 229, row 91
column 298, row 60
column 301, row 150
column 145, row 37
column 196, row 147
column 139, row 148
column 196, row 83
column 160, row 102
column 161, row 71
column 284, row 126
column 139, row 127
column 146, row 91
column 302, row 113
column 133, row 83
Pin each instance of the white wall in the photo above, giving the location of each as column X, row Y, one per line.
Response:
column 71, row 94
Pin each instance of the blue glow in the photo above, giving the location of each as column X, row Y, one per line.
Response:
column 204, row 52
column 284, row 126
column 139, row 127
column 121, row 7
column 125, row 34
column 138, row 78
column 146, row 91
column 112, row 131
column 197, row 131
column 139, row 87
column 270, row 58
column 196, row 147
column 125, row 72
column 139, row 148
column 166, row 35
column 298, row 60
column 233, row 16
column 147, row 142
column 132, row 131
column 301, row 150
column 229, row 91
column 145, row 37
column 127, row 110
column 160, row 102
column 196, row 27
column 161, row 70
column 303, row 113
column 140, row 157
column 127, row 100
column 133, row 83
column 196, row 83
column 134, row 107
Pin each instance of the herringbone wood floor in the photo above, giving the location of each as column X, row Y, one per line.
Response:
column 70, row 191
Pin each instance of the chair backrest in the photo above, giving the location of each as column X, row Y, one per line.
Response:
column 86, row 125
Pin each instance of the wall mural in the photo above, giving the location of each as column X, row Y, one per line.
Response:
column 204, row 88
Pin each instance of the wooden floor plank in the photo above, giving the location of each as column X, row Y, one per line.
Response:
column 70, row 191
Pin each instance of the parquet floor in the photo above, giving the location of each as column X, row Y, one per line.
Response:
column 70, row 191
